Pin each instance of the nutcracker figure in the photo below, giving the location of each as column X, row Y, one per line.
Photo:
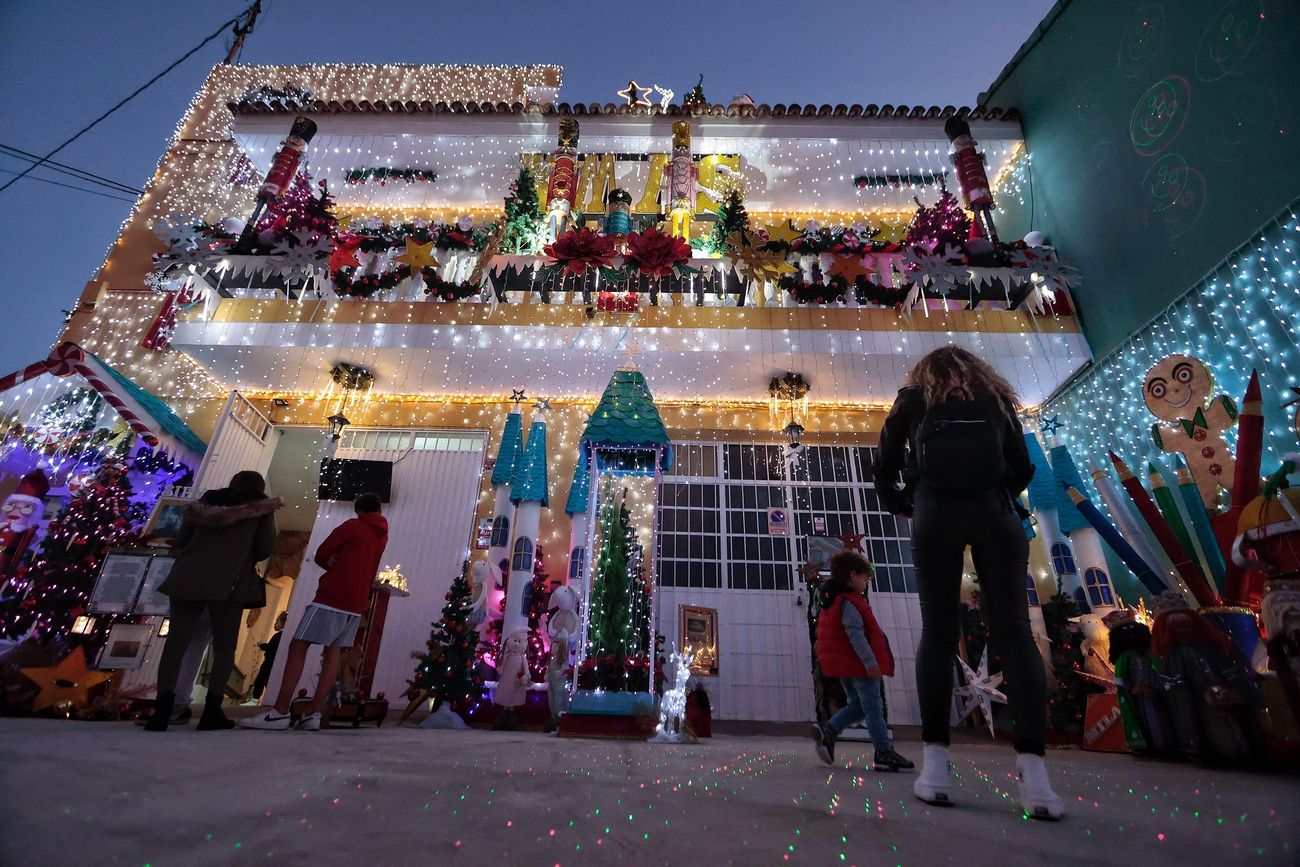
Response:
column 683, row 179
column 618, row 223
column 969, row 163
column 283, row 169
column 563, row 186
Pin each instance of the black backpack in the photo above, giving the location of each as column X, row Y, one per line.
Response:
column 959, row 446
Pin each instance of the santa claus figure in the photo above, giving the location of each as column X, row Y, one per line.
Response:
column 19, row 516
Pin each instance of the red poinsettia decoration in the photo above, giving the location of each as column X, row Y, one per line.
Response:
column 655, row 254
column 580, row 249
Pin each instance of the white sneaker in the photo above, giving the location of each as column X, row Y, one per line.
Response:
column 1036, row 796
column 935, row 780
column 270, row 721
column 309, row 723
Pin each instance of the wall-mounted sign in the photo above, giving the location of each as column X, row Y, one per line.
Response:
column 778, row 522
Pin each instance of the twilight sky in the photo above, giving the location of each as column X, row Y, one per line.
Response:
column 63, row 63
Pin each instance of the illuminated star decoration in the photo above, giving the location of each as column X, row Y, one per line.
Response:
column 542, row 405
column 517, row 395
column 981, row 690
column 1049, row 426
column 634, row 94
column 417, row 255
column 70, row 680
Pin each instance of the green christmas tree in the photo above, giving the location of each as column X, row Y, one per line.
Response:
column 57, row 585
column 608, row 626
column 1066, row 701
column 732, row 217
column 695, row 98
column 523, row 216
column 448, row 669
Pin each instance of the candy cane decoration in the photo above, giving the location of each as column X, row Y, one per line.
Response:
column 67, row 359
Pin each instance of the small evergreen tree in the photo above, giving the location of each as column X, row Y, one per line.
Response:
column 300, row 210
column 537, row 599
column 936, row 227
column 732, row 217
column 1066, row 701
column 523, row 216
column 448, row 669
column 607, row 630
column 57, row 584
column 695, row 98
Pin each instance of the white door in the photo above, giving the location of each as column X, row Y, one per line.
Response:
column 436, row 478
column 244, row 439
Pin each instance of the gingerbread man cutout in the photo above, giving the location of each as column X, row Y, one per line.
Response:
column 1178, row 391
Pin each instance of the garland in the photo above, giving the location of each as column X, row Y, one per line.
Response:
column 384, row 175
column 349, row 285
column 445, row 236
column 447, row 290
column 865, row 290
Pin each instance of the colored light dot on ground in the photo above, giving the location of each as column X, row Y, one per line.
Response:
column 1160, row 837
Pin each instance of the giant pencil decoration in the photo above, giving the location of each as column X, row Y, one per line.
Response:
column 1131, row 558
column 1182, row 561
column 1238, row 585
column 1168, row 505
column 1200, row 519
column 1129, row 524
column 284, row 167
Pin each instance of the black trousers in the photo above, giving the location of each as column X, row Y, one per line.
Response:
column 184, row 616
column 943, row 525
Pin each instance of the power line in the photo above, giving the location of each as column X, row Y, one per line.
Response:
column 64, row 168
column 69, row 186
column 136, row 93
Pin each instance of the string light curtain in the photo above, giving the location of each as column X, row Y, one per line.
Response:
column 1244, row 314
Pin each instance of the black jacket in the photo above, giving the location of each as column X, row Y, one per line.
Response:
column 899, row 433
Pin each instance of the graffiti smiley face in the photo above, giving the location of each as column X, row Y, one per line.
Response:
column 1176, row 386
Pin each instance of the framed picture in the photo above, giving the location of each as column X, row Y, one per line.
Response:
column 164, row 525
column 120, row 575
column 150, row 601
column 126, row 646
column 698, row 630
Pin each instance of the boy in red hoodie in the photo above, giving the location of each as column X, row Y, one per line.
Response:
column 350, row 557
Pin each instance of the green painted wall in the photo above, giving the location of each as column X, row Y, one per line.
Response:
column 1162, row 135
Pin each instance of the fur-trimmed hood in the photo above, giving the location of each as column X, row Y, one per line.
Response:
column 203, row 514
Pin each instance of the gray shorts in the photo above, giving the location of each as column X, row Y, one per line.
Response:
column 326, row 626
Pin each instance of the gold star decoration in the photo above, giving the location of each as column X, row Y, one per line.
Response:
column 850, row 267
column 782, row 232
column 70, row 680
column 417, row 255
column 634, row 94
column 754, row 263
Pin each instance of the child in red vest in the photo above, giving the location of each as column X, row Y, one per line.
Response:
column 852, row 647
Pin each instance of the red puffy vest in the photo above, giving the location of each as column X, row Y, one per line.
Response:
column 835, row 655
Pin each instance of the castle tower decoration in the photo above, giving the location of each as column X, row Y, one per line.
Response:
column 1046, row 505
column 528, row 492
column 576, row 508
column 1090, row 561
column 503, row 510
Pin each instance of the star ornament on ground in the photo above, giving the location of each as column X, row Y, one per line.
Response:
column 417, row 255
column 70, row 680
column 981, row 690
column 634, row 94
column 1049, row 426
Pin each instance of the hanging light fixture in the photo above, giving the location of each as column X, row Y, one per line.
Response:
column 351, row 378
column 793, row 389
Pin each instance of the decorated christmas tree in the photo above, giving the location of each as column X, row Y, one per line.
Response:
column 609, row 624
column 299, row 211
column 695, row 98
column 538, row 595
column 732, row 217
column 53, row 590
column 1066, row 701
column 936, row 227
column 521, row 232
column 448, row 669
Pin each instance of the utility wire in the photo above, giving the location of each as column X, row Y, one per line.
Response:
column 70, row 186
column 137, row 92
column 63, row 168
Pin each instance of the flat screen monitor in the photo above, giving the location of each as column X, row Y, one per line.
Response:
column 344, row 479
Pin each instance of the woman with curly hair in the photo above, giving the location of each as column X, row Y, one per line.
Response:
column 953, row 458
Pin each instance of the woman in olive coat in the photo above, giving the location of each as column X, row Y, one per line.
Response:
column 224, row 535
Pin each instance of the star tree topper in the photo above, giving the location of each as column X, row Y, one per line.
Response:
column 1049, row 426
column 517, row 396
column 981, row 690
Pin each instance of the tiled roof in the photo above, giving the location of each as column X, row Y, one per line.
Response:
column 580, row 487
column 508, row 451
column 809, row 110
column 530, row 482
column 1042, row 488
column 168, row 421
column 628, row 418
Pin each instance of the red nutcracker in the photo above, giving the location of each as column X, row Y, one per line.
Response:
column 562, row 191
column 969, row 163
column 283, row 169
